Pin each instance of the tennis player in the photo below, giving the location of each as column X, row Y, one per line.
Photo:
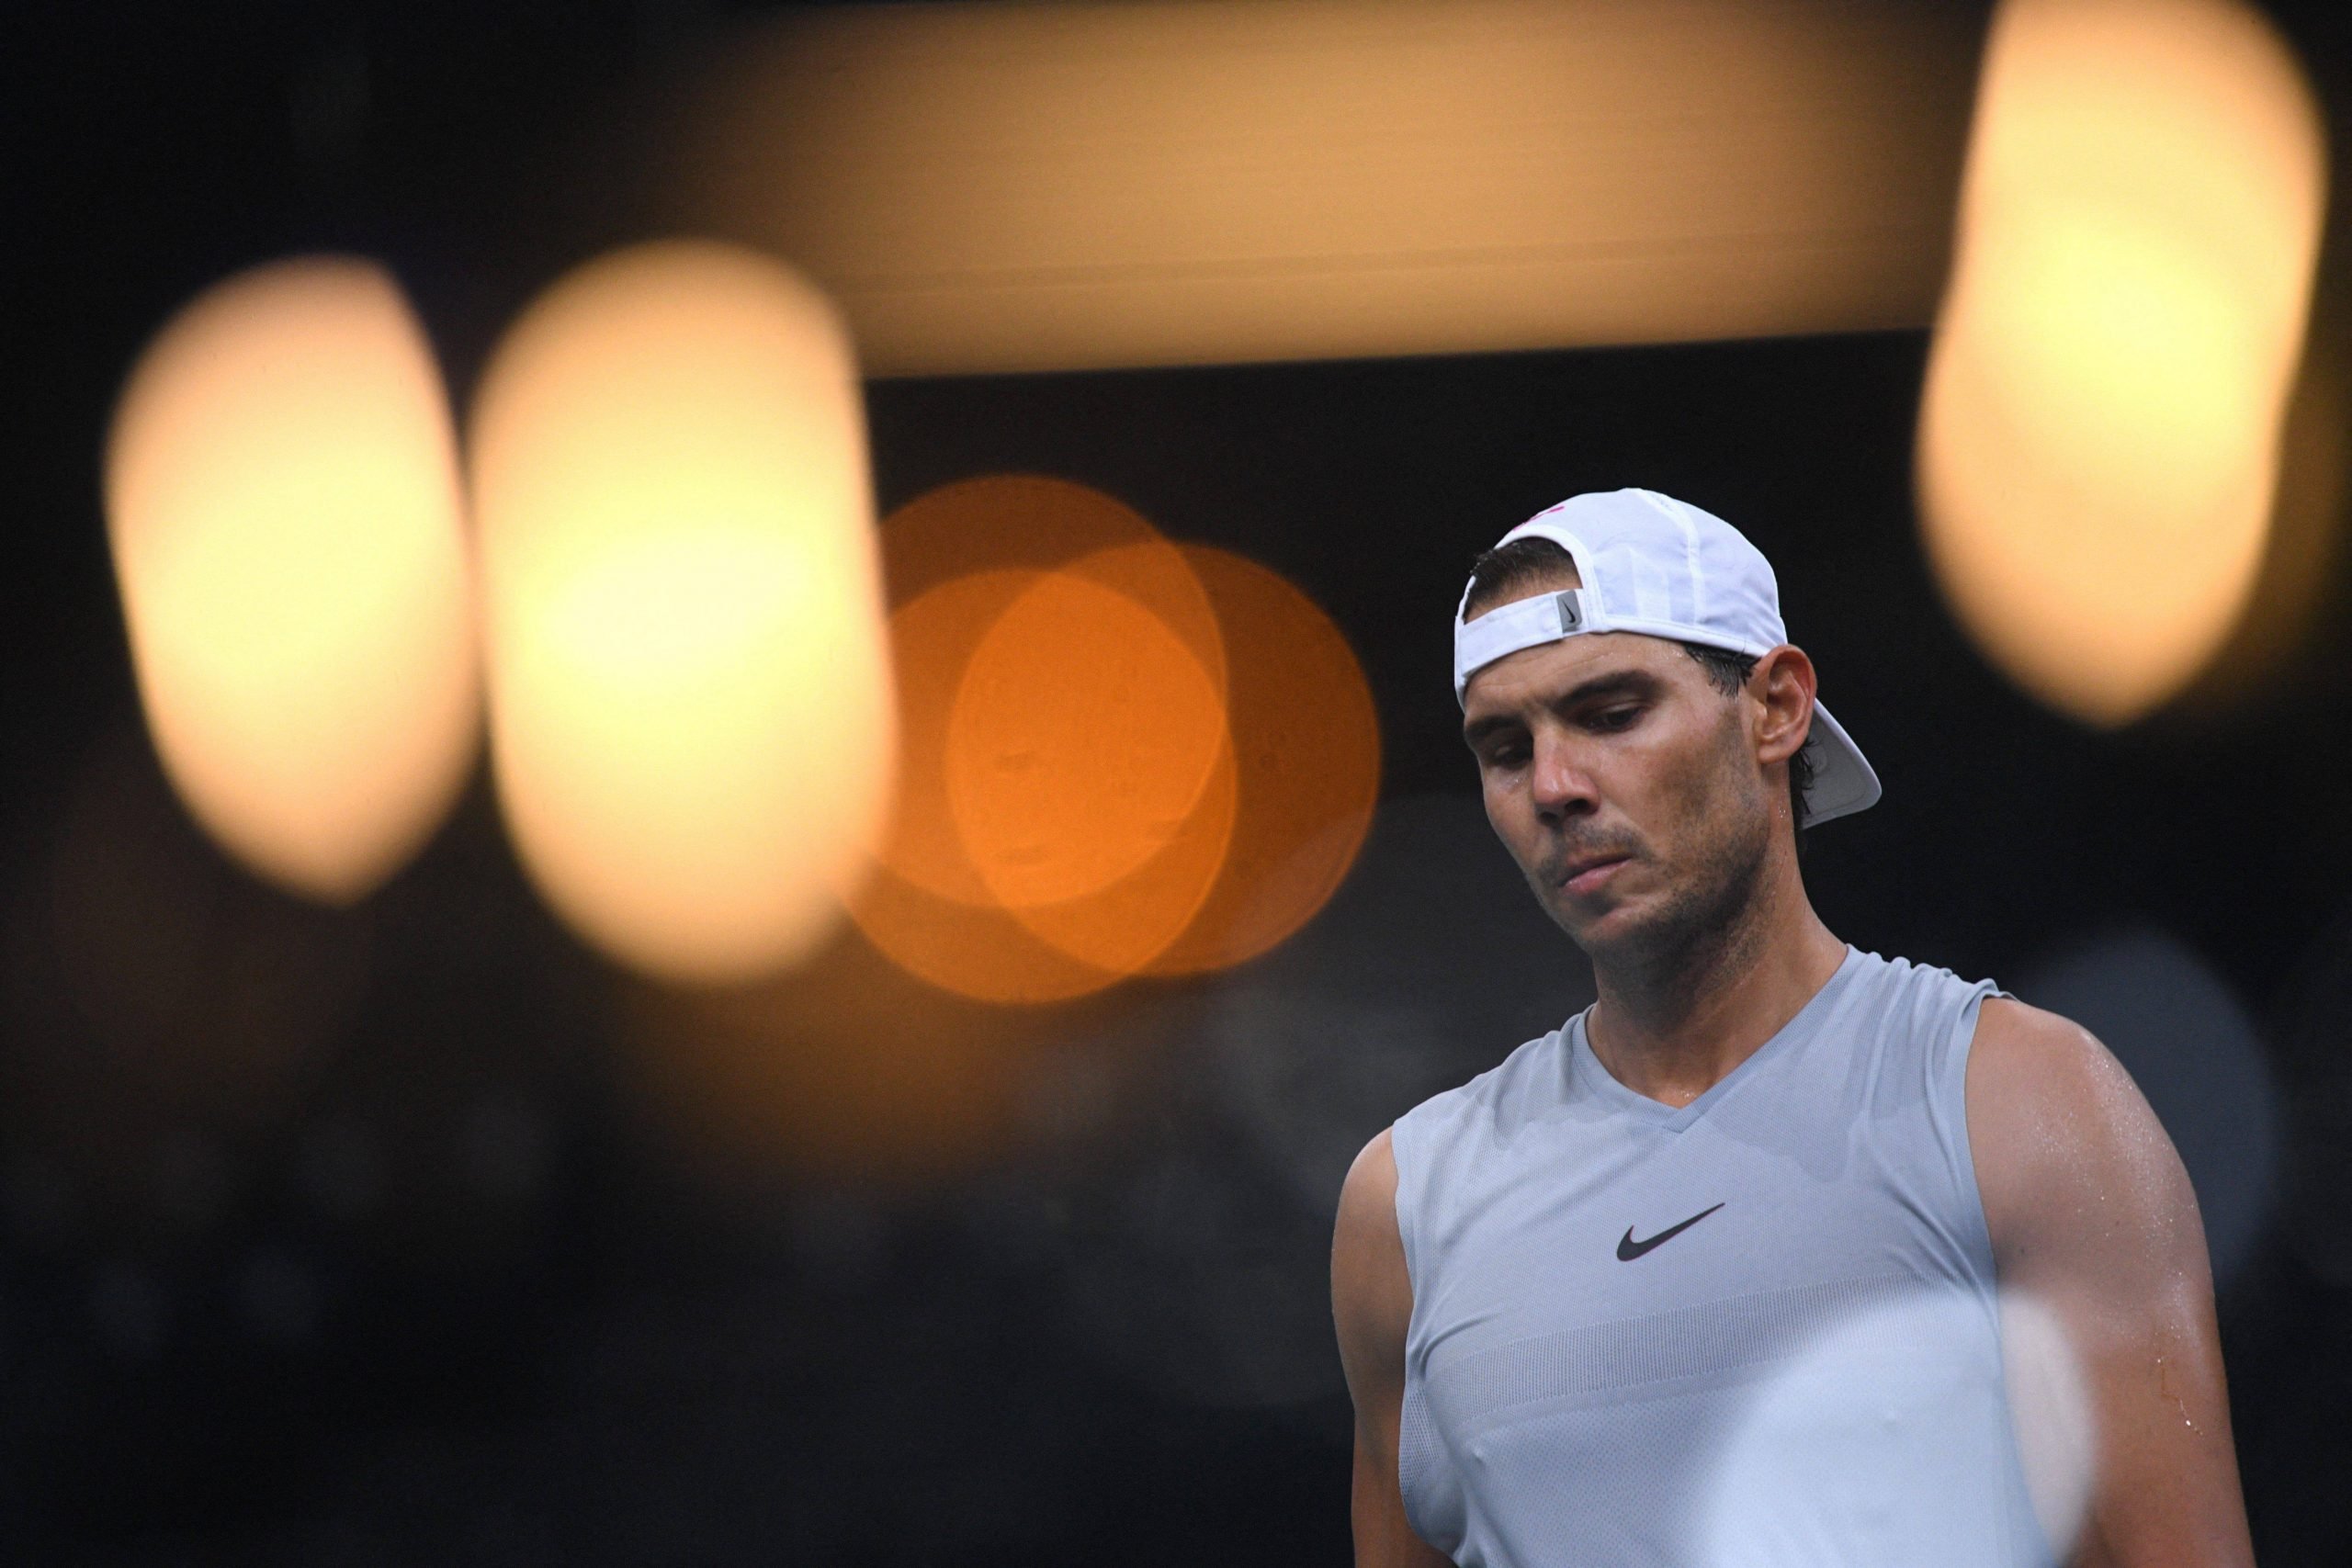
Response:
column 1738, row 1265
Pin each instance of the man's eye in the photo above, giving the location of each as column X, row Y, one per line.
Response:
column 1616, row 718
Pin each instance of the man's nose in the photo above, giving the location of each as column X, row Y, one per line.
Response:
column 1559, row 783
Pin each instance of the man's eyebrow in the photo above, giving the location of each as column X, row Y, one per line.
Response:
column 1616, row 683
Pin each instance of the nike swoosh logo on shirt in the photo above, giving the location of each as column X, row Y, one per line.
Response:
column 1629, row 1250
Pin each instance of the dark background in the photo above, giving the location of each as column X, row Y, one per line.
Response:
column 347, row 1237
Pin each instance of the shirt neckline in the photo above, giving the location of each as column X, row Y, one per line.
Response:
column 1596, row 1074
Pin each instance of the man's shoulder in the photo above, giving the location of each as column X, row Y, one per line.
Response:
column 1910, row 976
column 2051, row 1111
column 1529, row 1069
column 2038, row 1057
column 1368, row 1196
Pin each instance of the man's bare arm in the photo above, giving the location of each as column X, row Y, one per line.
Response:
column 1372, row 1302
column 2094, row 1224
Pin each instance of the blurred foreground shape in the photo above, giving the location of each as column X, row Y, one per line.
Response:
column 690, row 717
column 1120, row 756
column 2100, row 439
column 1065, row 186
column 1028, row 860
column 283, row 502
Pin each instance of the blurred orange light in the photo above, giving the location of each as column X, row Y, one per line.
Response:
column 1068, row 789
column 932, row 639
column 845, row 1066
column 283, row 504
column 1083, row 734
column 2099, row 438
column 1306, row 744
column 1080, row 801
column 956, row 560
column 1003, row 521
column 1090, row 773
column 972, row 950
column 690, row 696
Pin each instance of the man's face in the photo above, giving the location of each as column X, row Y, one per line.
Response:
column 1625, row 786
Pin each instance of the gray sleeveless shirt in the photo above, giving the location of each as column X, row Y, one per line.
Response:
column 1759, row 1329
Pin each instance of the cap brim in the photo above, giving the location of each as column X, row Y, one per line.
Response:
column 1843, row 780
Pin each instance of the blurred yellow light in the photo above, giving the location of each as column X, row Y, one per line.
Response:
column 991, row 187
column 2099, row 438
column 283, row 504
column 690, row 696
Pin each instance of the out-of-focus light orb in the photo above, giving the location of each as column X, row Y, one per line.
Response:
column 1897, row 1433
column 1057, row 185
column 1306, row 746
column 1160, row 727
column 2049, row 1406
column 971, row 950
column 1083, row 734
column 284, row 507
column 2189, row 1045
column 1067, row 790
column 1122, row 756
column 1087, row 780
column 932, row 639
column 956, row 560
column 1039, row 522
column 2099, row 446
column 690, row 711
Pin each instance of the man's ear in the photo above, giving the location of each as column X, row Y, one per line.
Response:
column 1782, row 683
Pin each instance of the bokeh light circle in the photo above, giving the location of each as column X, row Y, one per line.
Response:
column 691, row 714
column 1081, row 737
column 1896, row 1433
column 1306, row 746
column 2100, row 433
column 2190, row 1046
column 284, row 507
column 1033, row 620
column 1122, row 756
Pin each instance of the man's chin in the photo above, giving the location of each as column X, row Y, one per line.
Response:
column 1596, row 924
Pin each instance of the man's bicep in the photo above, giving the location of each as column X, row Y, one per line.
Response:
column 1372, row 1303
column 2095, row 1235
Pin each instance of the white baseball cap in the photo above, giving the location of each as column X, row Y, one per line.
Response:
column 1651, row 564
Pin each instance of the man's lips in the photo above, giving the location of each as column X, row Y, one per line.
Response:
column 1587, row 876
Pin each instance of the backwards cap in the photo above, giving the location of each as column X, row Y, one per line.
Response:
column 1651, row 564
